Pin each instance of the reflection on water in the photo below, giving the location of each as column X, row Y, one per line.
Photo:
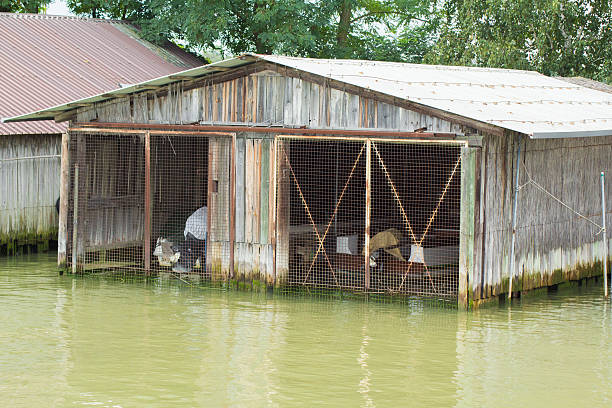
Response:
column 70, row 341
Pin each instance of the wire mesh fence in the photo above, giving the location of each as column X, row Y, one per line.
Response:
column 405, row 203
column 365, row 215
column 140, row 202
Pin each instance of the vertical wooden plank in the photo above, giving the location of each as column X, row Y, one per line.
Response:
column 265, row 190
column 257, row 191
column 368, row 208
column 279, row 85
column 248, row 186
column 209, row 204
column 62, row 237
column 467, row 223
column 271, row 194
column 254, row 98
column 274, row 157
column 289, row 105
column 240, row 189
column 147, row 205
column 314, row 108
column 282, row 214
column 232, row 203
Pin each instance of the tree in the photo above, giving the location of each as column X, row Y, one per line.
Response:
column 377, row 29
column 115, row 9
column 25, row 6
column 554, row 37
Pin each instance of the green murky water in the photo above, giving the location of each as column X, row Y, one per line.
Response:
column 94, row 341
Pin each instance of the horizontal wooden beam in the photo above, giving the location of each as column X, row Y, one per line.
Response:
column 64, row 116
column 141, row 127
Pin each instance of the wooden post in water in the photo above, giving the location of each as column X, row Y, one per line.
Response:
column 283, row 213
column 514, row 207
column 147, row 204
column 232, row 220
column 75, row 220
column 273, row 214
column 368, row 207
column 62, row 236
column 603, row 231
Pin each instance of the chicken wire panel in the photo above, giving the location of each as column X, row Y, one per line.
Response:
column 325, row 192
column 414, row 246
column 179, row 203
column 105, row 209
column 178, row 224
column 414, row 209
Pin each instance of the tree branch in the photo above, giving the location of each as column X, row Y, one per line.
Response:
column 389, row 12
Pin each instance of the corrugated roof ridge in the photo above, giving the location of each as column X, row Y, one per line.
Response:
column 399, row 64
column 60, row 17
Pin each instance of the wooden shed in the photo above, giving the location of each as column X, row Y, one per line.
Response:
column 45, row 61
column 373, row 177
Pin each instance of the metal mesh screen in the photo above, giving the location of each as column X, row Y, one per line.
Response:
column 410, row 212
column 106, row 209
column 147, row 202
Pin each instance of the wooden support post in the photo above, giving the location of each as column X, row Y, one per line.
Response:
column 282, row 213
column 514, row 209
column 467, row 223
column 273, row 207
column 147, row 205
column 232, row 220
column 62, row 237
column 209, row 206
column 75, row 220
column 368, row 207
column 604, row 235
column 80, row 202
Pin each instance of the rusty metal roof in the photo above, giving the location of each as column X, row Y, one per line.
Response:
column 50, row 60
column 521, row 101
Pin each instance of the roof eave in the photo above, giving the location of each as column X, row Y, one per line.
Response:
column 571, row 134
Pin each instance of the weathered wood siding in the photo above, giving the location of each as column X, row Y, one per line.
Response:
column 264, row 98
column 29, row 187
column 218, row 248
column 111, row 193
column 552, row 243
column 254, row 202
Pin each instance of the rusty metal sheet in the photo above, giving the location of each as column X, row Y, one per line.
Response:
column 50, row 60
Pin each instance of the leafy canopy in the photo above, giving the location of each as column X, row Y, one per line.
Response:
column 374, row 29
column 554, row 37
column 25, row 6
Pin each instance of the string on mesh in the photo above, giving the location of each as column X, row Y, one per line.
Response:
column 334, row 213
column 407, row 222
column 531, row 181
column 314, row 225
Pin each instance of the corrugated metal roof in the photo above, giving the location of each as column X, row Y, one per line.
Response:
column 522, row 101
column 587, row 83
column 50, row 60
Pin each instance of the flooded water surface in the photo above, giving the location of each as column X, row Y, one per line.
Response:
column 97, row 341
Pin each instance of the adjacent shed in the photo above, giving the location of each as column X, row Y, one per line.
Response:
column 366, row 176
column 44, row 61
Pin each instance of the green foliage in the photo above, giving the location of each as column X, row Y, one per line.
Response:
column 555, row 37
column 25, row 6
column 115, row 9
column 376, row 29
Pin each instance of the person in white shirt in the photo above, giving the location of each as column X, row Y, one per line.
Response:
column 194, row 247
